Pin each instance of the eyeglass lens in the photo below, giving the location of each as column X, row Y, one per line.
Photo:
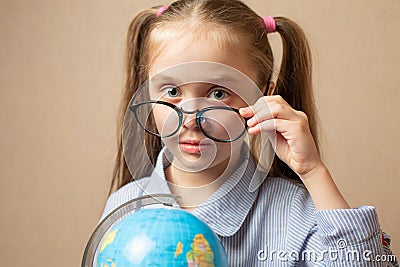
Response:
column 218, row 124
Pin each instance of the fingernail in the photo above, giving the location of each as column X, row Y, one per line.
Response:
column 243, row 110
column 252, row 130
column 251, row 121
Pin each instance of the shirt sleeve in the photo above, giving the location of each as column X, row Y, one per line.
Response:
column 352, row 237
column 337, row 237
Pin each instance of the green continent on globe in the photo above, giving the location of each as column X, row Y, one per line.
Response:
column 109, row 263
column 201, row 254
column 108, row 240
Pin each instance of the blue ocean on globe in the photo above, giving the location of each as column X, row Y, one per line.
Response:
column 160, row 237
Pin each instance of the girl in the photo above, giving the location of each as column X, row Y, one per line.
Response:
column 297, row 216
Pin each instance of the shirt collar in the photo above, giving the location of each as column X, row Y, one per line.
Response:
column 226, row 209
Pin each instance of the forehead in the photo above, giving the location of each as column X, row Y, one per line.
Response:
column 169, row 48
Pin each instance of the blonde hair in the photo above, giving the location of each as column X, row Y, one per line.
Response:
column 229, row 23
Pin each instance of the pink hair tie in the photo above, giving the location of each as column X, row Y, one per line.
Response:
column 161, row 10
column 270, row 24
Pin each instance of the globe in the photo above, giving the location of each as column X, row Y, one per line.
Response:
column 163, row 236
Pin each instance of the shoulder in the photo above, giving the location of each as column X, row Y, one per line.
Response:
column 128, row 192
column 283, row 187
column 290, row 195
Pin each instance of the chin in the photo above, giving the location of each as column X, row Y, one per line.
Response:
column 198, row 162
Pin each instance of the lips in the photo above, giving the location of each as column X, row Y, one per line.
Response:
column 192, row 146
column 192, row 142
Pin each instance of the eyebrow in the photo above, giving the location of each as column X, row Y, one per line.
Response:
column 223, row 78
column 218, row 79
column 163, row 78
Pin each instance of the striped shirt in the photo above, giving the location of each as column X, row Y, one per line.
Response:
column 276, row 224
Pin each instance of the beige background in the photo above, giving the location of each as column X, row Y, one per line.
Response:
column 61, row 77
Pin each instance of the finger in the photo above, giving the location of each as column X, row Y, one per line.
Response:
column 279, row 125
column 276, row 98
column 249, row 111
column 246, row 112
column 285, row 127
column 262, row 115
column 276, row 110
column 268, row 125
column 275, row 107
column 265, row 103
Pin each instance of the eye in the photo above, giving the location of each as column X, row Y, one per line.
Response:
column 219, row 94
column 171, row 91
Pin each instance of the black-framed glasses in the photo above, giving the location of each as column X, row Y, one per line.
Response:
column 219, row 123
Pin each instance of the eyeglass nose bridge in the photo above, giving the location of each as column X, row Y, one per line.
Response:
column 188, row 112
column 181, row 111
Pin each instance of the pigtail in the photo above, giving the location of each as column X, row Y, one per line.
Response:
column 294, row 82
column 136, row 74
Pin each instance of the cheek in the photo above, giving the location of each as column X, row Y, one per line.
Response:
column 231, row 147
column 223, row 149
column 166, row 120
column 159, row 120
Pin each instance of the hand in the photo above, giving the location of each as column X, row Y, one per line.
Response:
column 294, row 144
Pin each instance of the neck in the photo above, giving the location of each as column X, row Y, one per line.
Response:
column 197, row 187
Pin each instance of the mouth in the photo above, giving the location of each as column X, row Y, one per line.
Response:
column 193, row 146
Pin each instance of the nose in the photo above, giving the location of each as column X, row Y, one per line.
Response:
column 189, row 110
column 189, row 121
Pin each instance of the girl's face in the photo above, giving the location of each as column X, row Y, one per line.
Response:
column 191, row 149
